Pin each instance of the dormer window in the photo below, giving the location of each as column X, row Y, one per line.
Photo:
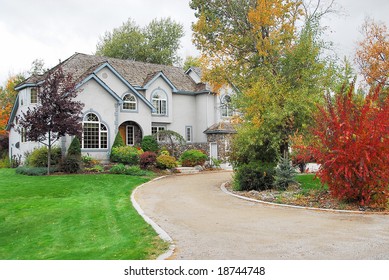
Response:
column 159, row 100
column 129, row 102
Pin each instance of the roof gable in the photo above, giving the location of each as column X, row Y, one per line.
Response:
column 124, row 81
column 155, row 76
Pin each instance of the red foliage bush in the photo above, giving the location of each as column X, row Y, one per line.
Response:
column 147, row 159
column 352, row 145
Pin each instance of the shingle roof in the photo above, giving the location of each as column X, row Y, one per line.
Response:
column 220, row 128
column 136, row 73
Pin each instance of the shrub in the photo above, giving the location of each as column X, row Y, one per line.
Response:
column 38, row 157
column 254, row 176
column 166, row 162
column 147, row 159
column 34, row 171
column 285, row 174
column 252, row 145
column 95, row 168
column 5, row 163
column 75, row 148
column 149, row 143
column 71, row 164
column 130, row 170
column 125, row 154
column 118, row 142
column 135, row 171
column 353, row 146
column 118, row 169
column 193, row 158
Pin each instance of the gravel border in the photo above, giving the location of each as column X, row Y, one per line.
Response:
column 224, row 189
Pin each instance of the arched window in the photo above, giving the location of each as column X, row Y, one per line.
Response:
column 159, row 100
column 226, row 107
column 95, row 134
column 129, row 102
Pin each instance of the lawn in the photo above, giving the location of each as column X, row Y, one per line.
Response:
column 73, row 217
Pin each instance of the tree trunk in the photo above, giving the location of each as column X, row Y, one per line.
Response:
column 49, row 155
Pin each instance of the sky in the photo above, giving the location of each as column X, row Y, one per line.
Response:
column 54, row 30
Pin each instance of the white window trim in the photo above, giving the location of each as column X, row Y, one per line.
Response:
column 130, row 102
column 190, row 130
column 159, row 128
column 160, row 101
column 100, row 132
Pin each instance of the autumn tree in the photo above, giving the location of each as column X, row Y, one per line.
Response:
column 372, row 55
column 351, row 142
column 56, row 114
column 158, row 42
column 272, row 53
column 7, row 99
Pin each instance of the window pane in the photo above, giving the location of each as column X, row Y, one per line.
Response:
column 91, row 135
column 34, row 96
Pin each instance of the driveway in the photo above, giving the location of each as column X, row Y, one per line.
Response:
column 206, row 223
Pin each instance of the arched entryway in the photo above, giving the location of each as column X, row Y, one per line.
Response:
column 131, row 133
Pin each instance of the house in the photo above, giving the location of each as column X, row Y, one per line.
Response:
column 135, row 99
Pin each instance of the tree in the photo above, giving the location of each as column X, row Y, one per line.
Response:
column 191, row 61
column 7, row 99
column 372, row 55
column 351, row 143
column 158, row 42
column 276, row 62
column 56, row 113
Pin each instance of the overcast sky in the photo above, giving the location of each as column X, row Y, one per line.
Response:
column 54, row 30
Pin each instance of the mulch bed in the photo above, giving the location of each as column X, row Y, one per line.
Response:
column 315, row 199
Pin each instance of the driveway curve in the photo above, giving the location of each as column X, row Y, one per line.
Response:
column 206, row 223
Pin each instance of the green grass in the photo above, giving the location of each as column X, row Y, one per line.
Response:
column 309, row 182
column 73, row 217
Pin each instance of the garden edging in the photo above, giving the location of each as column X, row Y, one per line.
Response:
column 161, row 233
column 224, row 189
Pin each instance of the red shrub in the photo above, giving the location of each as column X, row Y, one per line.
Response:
column 352, row 145
column 147, row 159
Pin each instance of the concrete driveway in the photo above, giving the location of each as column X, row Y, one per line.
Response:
column 206, row 223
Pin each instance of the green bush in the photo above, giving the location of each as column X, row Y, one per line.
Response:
column 71, row 164
column 125, row 154
column 193, row 158
column 34, row 171
column 130, row 170
column 38, row 157
column 5, row 162
column 254, row 176
column 118, row 142
column 75, row 147
column 285, row 174
column 149, row 143
column 166, row 162
column 251, row 145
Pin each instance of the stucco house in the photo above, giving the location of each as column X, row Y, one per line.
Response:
column 136, row 99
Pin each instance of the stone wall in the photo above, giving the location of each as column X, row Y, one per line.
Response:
column 223, row 141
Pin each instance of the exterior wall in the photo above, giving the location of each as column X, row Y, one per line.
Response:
column 223, row 141
column 17, row 149
column 184, row 114
column 98, row 101
column 160, row 84
column 194, row 76
column 205, row 115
